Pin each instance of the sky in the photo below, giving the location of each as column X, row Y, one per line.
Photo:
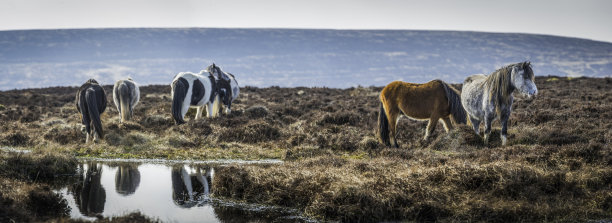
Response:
column 590, row 19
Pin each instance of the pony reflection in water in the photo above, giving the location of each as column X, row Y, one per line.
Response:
column 431, row 101
column 127, row 179
column 189, row 186
column 89, row 195
column 91, row 103
column 486, row 98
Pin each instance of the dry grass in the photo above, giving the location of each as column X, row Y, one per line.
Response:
column 25, row 193
column 472, row 185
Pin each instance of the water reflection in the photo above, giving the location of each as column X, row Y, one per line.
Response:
column 89, row 194
column 174, row 193
column 188, row 186
column 127, row 179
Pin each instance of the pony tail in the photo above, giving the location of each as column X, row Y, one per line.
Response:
column 179, row 91
column 94, row 114
column 454, row 102
column 383, row 126
column 124, row 101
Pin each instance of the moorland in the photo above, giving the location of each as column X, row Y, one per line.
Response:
column 556, row 166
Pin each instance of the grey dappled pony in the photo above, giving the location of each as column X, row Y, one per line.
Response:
column 488, row 97
column 126, row 95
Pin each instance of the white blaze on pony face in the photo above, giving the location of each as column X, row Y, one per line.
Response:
column 523, row 82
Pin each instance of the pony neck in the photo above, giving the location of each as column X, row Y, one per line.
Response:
column 500, row 85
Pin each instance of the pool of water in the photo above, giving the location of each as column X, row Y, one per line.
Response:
column 171, row 192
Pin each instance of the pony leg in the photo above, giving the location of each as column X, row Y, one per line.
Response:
column 475, row 125
column 431, row 126
column 206, row 109
column 216, row 106
column 488, row 121
column 211, row 109
column 199, row 112
column 228, row 109
column 448, row 125
column 95, row 135
column 504, row 130
column 88, row 131
column 393, row 116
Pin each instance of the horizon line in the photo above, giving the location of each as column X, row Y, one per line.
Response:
column 300, row 28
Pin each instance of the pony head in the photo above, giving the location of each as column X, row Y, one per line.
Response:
column 235, row 90
column 522, row 79
column 228, row 87
column 213, row 70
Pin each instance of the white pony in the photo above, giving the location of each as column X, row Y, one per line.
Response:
column 126, row 95
column 486, row 98
column 227, row 87
column 192, row 90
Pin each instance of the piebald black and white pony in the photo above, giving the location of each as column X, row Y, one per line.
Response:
column 126, row 95
column 192, row 90
column 486, row 98
column 190, row 185
column 227, row 87
column 91, row 103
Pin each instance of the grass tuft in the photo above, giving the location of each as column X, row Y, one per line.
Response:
column 252, row 133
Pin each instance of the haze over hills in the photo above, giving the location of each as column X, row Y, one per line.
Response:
column 285, row 57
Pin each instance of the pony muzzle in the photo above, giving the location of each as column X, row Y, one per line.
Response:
column 532, row 93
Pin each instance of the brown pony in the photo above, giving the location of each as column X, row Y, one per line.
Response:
column 431, row 101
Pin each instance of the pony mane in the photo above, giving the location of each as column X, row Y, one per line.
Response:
column 92, row 81
column 500, row 83
column 217, row 69
column 233, row 77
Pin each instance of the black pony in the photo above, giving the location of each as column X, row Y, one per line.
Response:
column 91, row 103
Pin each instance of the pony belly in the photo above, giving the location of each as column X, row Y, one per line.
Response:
column 199, row 104
column 416, row 118
column 415, row 114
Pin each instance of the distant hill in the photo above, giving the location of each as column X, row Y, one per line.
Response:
column 285, row 57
